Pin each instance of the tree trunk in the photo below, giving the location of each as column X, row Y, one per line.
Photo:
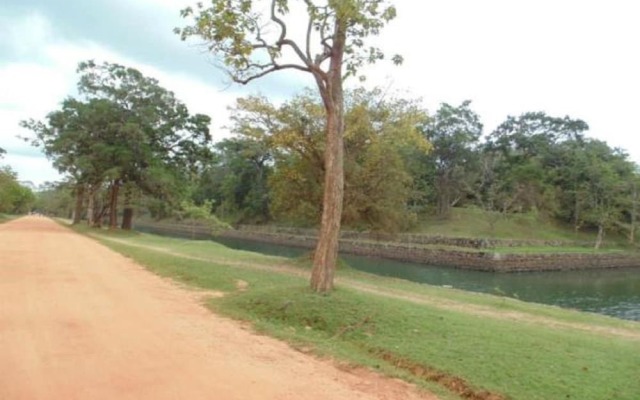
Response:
column 444, row 195
column 634, row 211
column 91, row 204
column 127, row 218
column 576, row 213
column 331, row 90
column 599, row 237
column 99, row 208
column 127, row 214
column 326, row 253
column 99, row 215
column 113, row 205
column 77, row 210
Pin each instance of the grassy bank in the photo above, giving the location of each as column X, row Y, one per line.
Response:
column 458, row 344
column 476, row 223
column 5, row 218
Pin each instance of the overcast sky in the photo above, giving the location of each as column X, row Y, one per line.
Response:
column 564, row 57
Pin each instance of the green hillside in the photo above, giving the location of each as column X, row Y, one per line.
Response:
column 474, row 222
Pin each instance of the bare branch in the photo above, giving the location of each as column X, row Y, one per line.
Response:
column 323, row 32
column 309, row 28
column 258, row 66
column 283, row 36
column 277, row 20
column 262, row 44
column 273, row 68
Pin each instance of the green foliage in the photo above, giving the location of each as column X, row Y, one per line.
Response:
column 524, row 155
column 400, row 161
column 14, row 197
column 252, row 44
column 377, row 135
column 448, row 171
column 127, row 132
column 55, row 199
column 237, row 180
column 189, row 211
column 158, row 131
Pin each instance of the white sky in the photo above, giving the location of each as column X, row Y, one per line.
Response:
column 577, row 58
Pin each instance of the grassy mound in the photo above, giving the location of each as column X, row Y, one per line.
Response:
column 474, row 222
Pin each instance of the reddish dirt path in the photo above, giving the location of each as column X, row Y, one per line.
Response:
column 78, row 321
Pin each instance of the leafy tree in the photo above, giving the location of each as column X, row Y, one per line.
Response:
column 632, row 202
column 609, row 174
column 545, row 163
column 55, row 199
column 332, row 49
column 570, row 179
column 295, row 135
column 14, row 197
column 525, row 149
column 381, row 131
column 82, row 139
column 454, row 133
column 377, row 131
column 162, row 138
column 237, row 180
column 129, row 132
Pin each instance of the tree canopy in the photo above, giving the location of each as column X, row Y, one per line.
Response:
column 532, row 163
column 126, row 132
column 15, row 198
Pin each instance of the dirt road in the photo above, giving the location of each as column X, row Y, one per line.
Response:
column 78, row 321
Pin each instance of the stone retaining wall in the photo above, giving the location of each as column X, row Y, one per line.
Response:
column 182, row 230
column 474, row 259
column 416, row 238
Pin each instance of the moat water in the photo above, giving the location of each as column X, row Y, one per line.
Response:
column 611, row 292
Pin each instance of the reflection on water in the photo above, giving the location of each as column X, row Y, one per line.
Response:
column 611, row 292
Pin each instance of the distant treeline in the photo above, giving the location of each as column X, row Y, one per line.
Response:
column 402, row 161
column 129, row 143
column 15, row 198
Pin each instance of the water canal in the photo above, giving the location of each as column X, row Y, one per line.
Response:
column 611, row 292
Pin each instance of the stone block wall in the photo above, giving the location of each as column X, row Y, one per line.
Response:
column 481, row 260
column 415, row 238
column 468, row 257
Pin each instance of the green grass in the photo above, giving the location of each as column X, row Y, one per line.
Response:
column 475, row 223
column 5, row 218
column 517, row 249
column 554, row 250
column 519, row 359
